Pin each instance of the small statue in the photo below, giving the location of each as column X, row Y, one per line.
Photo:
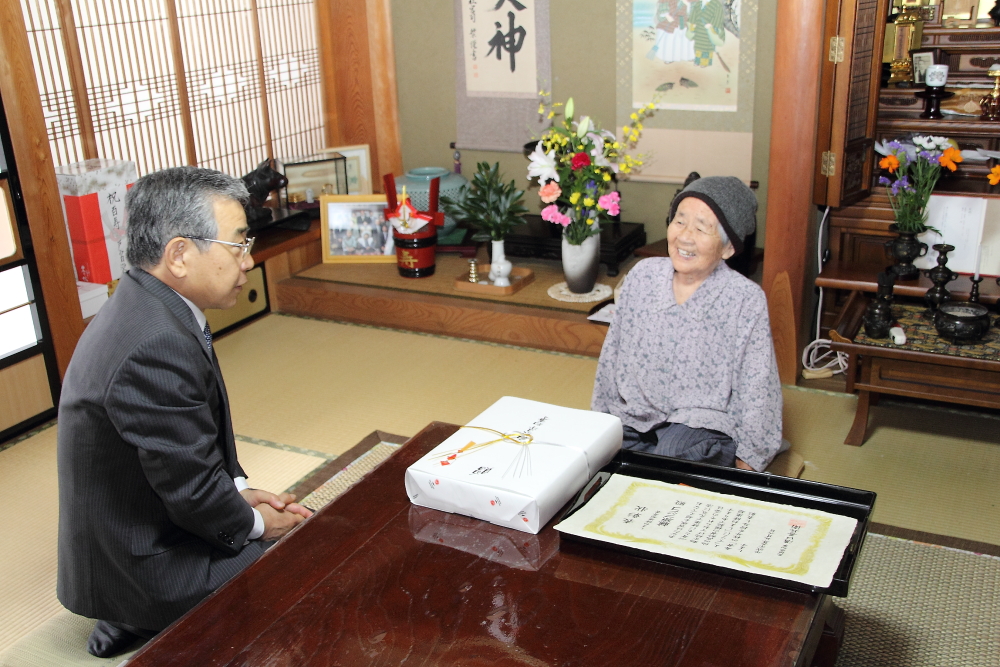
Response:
column 878, row 315
column 260, row 182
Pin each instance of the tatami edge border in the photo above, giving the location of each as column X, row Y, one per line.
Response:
column 284, row 447
column 24, row 436
column 959, row 544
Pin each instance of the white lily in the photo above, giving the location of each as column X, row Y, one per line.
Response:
column 598, row 151
column 583, row 126
column 543, row 165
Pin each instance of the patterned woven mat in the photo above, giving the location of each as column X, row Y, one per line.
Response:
column 923, row 337
column 914, row 605
column 349, row 476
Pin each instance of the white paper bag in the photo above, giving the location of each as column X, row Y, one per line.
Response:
column 515, row 464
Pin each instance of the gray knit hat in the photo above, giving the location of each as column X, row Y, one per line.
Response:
column 732, row 202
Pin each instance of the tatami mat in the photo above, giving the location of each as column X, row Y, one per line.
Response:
column 304, row 390
column 325, row 386
column 28, row 552
column 272, row 468
column 933, row 470
column 921, row 605
column 29, row 494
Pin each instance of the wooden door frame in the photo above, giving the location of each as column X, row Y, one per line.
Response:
column 37, row 181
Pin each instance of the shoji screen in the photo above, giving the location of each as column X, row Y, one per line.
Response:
column 218, row 83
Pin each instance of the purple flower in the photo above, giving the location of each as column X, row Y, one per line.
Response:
column 882, row 180
column 902, row 185
column 929, row 156
column 894, row 146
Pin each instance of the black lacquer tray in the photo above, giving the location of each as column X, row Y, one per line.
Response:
column 841, row 500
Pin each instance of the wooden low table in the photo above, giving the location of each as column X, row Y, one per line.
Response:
column 372, row 579
column 926, row 366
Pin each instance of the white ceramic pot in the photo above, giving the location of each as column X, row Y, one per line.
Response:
column 936, row 75
column 580, row 263
column 500, row 266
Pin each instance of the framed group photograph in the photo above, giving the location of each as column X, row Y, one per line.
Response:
column 354, row 229
column 922, row 59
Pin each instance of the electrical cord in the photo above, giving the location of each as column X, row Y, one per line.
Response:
column 818, row 360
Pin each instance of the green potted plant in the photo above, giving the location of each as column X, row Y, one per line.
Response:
column 493, row 207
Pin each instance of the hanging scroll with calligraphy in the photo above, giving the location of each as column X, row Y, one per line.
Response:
column 502, row 61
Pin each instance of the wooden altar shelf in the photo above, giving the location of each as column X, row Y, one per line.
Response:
column 447, row 316
column 417, row 305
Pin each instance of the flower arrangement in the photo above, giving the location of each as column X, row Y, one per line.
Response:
column 916, row 166
column 575, row 162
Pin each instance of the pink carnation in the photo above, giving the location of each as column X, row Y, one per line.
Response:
column 550, row 192
column 552, row 214
column 609, row 203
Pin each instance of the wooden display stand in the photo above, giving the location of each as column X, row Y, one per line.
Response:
column 519, row 277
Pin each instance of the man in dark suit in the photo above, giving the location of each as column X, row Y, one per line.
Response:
column 154, row 509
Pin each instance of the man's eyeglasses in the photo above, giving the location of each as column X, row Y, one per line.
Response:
column 245, row 246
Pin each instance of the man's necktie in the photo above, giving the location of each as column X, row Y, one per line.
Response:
column 208, row 336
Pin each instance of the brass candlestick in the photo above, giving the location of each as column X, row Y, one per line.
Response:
column 991, row 103
column 473, row 271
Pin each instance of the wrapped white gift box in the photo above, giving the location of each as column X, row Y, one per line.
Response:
column 515, row 464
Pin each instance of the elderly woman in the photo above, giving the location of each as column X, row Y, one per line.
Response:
column 688, row 364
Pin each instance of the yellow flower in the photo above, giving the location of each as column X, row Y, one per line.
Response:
column 552, row 114
column 541, row 108
column 607, row 177
column 638, row 126
column 588, row 202
column 590, row 221
column 616, row 145
column 574, row 198
column 634, row 117
column 994, row 175
column 579, row 147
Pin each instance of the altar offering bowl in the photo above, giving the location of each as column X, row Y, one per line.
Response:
column 962, row 322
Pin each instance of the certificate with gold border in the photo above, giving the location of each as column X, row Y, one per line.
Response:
column 754, row 536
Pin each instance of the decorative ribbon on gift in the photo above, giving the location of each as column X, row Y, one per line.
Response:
column 520, row 466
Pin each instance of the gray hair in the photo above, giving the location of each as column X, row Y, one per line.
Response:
column 723, row 235
column 175, row 202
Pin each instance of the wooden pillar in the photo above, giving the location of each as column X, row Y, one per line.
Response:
column 37, row 178
column 359, row 86
column 790, row 209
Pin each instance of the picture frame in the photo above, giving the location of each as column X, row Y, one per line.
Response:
column 354, row 230
column 920, row 59
column 359, row 168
